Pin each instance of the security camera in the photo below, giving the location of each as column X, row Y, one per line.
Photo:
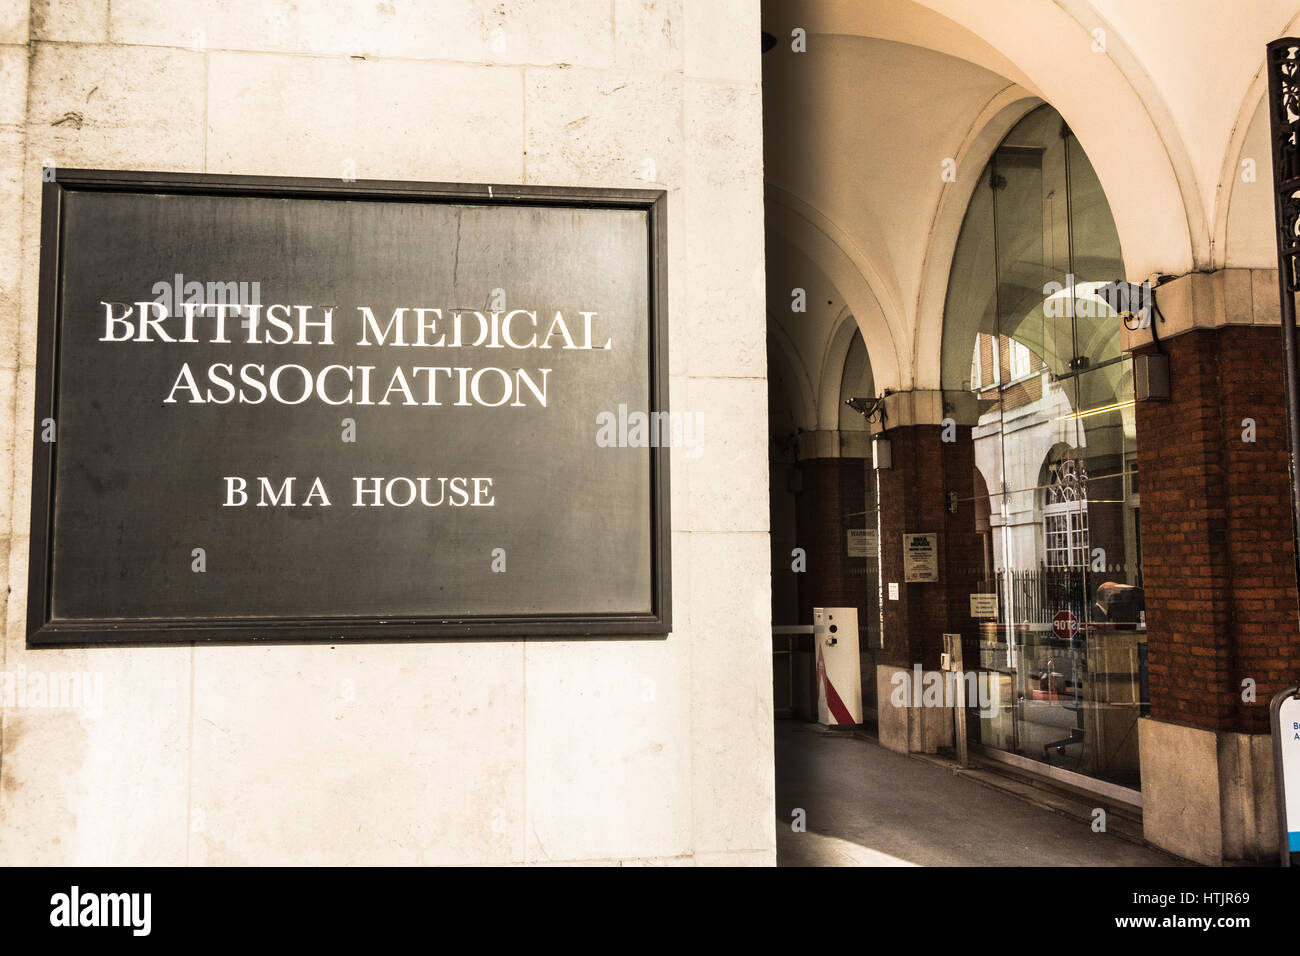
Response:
column 866, row 407
column 1132, row 303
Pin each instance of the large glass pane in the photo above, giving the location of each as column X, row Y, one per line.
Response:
column 1055, row 448
column 1096, row 260
column 1114, row 693
column 1030, row 199
column 971, row 304
column 1042, row 576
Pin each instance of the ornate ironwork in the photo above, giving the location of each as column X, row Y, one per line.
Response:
column 1284, row 109
column 1067, row 482
column 1282, row 60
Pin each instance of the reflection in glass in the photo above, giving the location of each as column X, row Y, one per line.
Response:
column 1055, row 448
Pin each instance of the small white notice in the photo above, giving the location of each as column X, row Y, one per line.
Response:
column 863, row 542
column 893, row 590
column 984, row 605
column 920, row 558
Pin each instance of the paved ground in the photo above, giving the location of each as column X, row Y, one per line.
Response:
column 870, row 806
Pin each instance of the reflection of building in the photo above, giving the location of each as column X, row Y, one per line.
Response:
column 1023, row 410
column 1055, row 427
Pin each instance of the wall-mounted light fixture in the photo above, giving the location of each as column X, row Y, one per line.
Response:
column 882, row 458
column 1151, row 378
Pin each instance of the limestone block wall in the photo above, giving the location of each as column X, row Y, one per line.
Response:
column 452, row 752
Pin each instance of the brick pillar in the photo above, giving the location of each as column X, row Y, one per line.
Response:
column 913, row 499
column 1219, row 576
column 1217, row 550
column 831, row 489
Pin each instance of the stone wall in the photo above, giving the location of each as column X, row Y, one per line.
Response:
column 438, row 752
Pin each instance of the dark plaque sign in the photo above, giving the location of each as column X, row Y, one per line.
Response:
column 285, row 409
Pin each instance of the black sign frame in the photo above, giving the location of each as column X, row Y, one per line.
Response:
column 42, row 631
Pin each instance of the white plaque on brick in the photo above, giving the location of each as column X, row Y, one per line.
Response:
column 920, row 558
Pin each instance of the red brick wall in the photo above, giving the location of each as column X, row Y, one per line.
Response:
column 1216, row 531
column 913, row 498
column 831, row 489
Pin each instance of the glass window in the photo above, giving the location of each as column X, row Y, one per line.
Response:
column 1055, row 448
column 1020, row 360
column 1066, row 535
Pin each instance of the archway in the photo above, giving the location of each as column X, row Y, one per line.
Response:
column 1055, row 442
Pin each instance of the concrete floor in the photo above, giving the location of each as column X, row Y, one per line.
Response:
column 868, row 806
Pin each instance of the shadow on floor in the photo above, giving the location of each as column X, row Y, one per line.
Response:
column 867, row 806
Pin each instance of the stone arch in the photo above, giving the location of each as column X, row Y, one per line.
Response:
column 1158, row 214
column 799, row 392
column 986, row 132
column 881, row 323
column 832, row 371
column 1112, row 104
column 1244, row 221
column 1020, row 288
